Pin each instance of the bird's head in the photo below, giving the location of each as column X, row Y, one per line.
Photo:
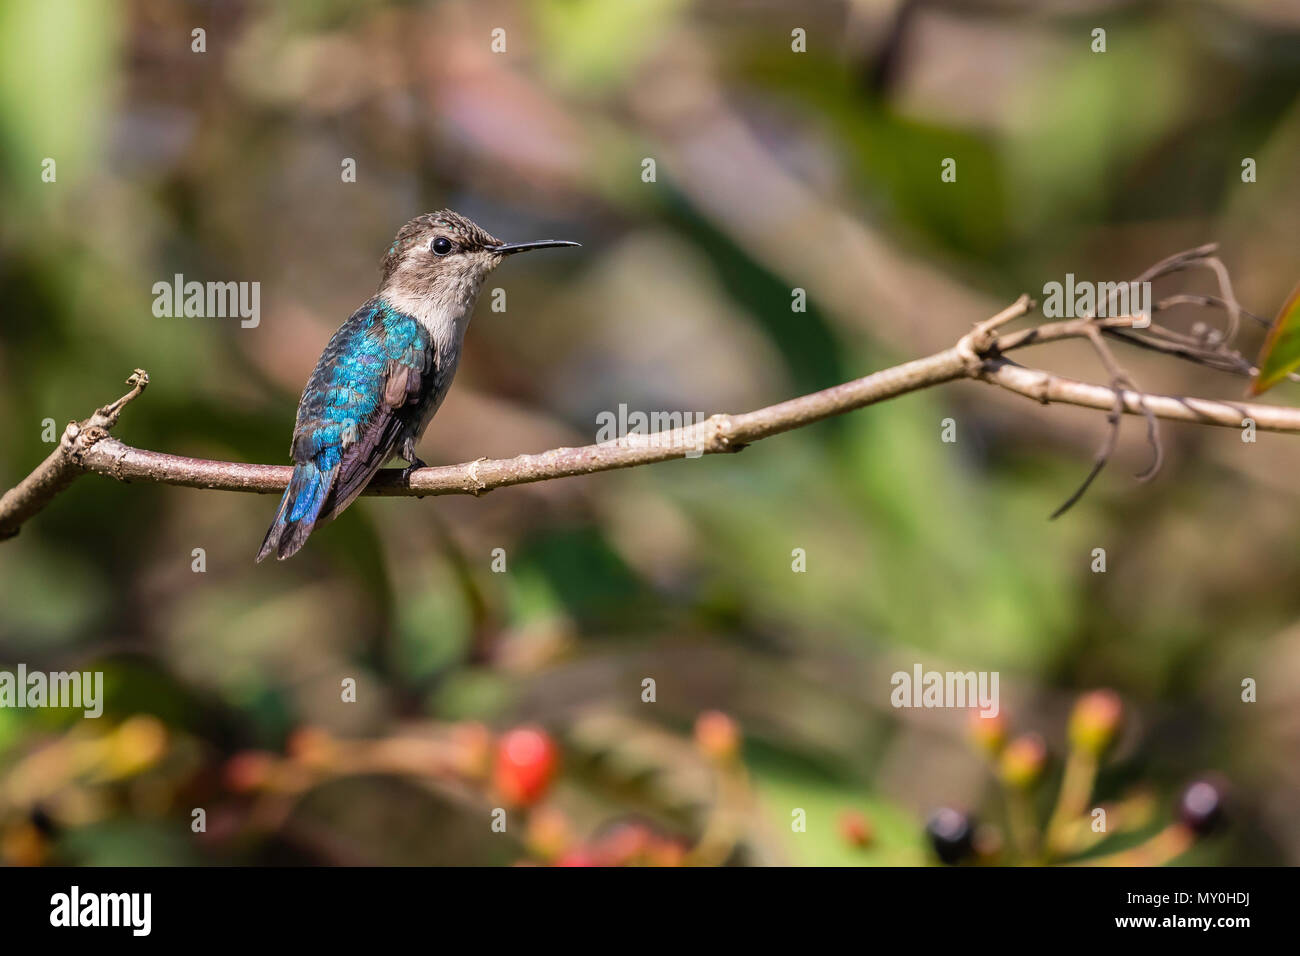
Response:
column 445, row 256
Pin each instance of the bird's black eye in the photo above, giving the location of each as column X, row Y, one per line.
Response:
column 440, row 246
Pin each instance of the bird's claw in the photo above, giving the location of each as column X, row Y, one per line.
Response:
column 406, row 472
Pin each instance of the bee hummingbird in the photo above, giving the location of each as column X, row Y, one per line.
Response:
column 386, row 370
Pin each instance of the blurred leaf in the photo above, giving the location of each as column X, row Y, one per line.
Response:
column 591, row 44
column 48, row 598
column 1280, row 354
column 11, row 728
column 885, row 152
column 588, row 576
column 433, row 627
column 130, row 843
column 783, row 787
column 55, row 57
column 470, row 695
column 1079, row 128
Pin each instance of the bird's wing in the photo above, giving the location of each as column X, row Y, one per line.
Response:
column 367, row 388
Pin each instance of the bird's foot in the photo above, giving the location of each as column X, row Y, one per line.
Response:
column 415, row 463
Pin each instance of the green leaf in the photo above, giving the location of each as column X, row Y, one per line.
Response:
column 782, row 786
column 1281, row 352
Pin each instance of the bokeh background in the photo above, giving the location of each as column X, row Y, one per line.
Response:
column 775, row 170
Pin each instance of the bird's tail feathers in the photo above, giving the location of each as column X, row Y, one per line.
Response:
column 299, row 511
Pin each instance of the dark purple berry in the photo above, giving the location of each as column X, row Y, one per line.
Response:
column 1200, row 806
column 951, row 833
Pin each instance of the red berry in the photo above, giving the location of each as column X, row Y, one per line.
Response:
column 526, row 761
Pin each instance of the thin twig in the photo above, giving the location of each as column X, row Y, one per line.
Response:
column 63, row 465
column 1210, row 348
column 1108, row 445
column 1121, row 379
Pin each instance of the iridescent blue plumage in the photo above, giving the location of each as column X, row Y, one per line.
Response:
column 367, row 392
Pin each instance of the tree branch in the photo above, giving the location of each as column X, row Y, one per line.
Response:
column 87, row 447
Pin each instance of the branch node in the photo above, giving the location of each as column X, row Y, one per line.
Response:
column 720, row 440
column 90, row 435
column 975, row 344
column 479, row 486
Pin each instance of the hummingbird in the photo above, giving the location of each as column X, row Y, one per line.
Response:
column 384, row 373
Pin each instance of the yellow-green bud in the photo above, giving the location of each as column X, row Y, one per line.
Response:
column 1096, row 721
column 1023, row 761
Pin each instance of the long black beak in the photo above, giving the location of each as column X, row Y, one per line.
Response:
column 510, row 248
